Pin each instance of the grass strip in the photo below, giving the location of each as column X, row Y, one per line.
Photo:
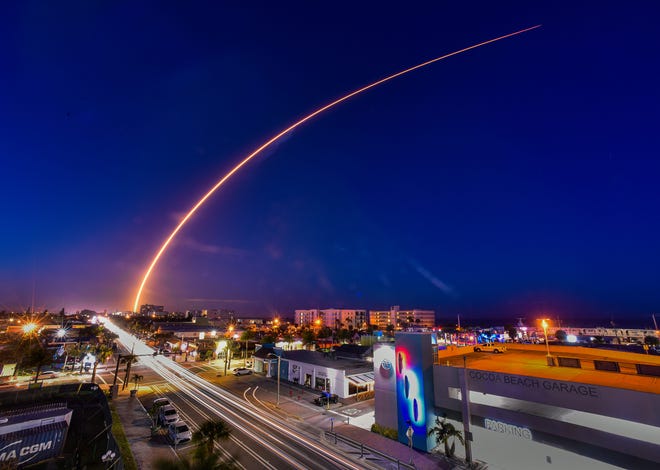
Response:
column 122, row 442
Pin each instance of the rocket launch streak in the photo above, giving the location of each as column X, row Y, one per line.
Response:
column 293, row 126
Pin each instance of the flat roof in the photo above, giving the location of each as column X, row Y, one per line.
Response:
column 530, row 360
column 351, row 366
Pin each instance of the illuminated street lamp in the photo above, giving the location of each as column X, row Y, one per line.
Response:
column 30, row 328
column 550, row 360
column 61, row 333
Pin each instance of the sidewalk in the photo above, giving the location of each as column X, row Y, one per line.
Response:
column 295, row 403
column 137, row 426
column 298, row 405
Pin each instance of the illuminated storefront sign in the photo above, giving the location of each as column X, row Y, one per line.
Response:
column 508, row 429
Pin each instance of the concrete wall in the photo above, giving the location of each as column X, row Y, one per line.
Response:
column 338, row 381
column 385, row 385
column 542, row 406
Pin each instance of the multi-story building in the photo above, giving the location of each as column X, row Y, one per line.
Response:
column 402, row 318
column 223, row 314
column 306, row 317
column 148, row 309
column 344, row 318
column 333, row 318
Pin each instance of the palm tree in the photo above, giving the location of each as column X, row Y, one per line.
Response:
column 203, row 461
column 308, row 337
column 288, row 339
column 208, row 433
column 76, row 353
column 444, row 431
column 246, row 336
column 103, row 353
column 136, row 379
column 39, row 357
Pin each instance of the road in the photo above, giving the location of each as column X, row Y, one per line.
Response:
column 258, row 439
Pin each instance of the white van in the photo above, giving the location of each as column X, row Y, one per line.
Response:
column 179, row 432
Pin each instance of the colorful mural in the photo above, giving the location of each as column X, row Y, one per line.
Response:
column 414, row 386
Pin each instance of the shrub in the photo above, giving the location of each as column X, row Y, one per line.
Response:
column 384, row 431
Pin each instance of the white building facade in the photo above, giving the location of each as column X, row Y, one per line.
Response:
column 415, row 318
column 332, row 318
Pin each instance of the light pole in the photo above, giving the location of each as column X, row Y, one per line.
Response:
column 550, row 360
column 409, row 435
column 278, row 375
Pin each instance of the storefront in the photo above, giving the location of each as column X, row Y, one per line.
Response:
column 318, row 371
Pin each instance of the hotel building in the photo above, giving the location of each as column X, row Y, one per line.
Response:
column 332, row 318
column 402, row 318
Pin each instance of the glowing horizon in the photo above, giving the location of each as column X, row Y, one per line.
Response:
column 290, row 128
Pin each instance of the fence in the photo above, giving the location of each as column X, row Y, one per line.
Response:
column 365, row 450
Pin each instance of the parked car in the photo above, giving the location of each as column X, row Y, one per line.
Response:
column 157, row 404
column 326, row 398
column 242, row 371
column 495, row 348
column 47, row 374
column 179, row 432
column 167, row 414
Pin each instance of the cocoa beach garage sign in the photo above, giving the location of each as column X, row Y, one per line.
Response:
column 535, row 383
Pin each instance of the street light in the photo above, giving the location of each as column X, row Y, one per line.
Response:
column 30, row 328
column 549, row 358
column 278, row 375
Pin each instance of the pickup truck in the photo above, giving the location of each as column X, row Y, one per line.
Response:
column 495, row 348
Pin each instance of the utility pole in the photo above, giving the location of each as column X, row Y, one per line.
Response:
column 465, row 394
column 114, row 387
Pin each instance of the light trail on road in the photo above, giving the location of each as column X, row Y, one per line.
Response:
column 292, row 127
column 193, row 423
column 258, row 427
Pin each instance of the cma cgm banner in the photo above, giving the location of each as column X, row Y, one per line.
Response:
column 32, row 446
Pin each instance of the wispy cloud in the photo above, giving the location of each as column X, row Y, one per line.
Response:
column 193, row 244
column 426, row 274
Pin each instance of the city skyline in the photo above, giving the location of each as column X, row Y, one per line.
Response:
column 517, row 179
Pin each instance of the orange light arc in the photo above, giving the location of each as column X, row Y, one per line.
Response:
column 293, row 126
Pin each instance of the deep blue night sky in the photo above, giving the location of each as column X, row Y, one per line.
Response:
column 518, row 179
